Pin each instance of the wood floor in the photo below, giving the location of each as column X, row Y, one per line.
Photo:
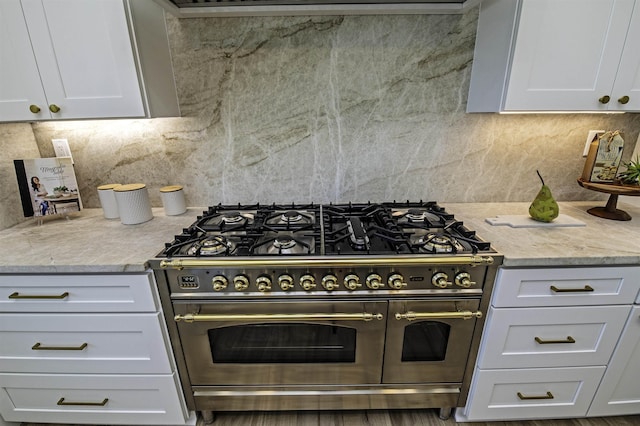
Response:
column 391, row 418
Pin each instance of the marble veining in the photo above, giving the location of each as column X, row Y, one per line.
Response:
column 332, row 109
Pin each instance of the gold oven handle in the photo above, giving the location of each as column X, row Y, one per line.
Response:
column 364, row 316
column 17, row 295
column 38, row 347
column 102, row 403
column 411, row 316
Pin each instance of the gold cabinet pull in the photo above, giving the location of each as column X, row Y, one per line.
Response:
column 61, row 401
column 364, row 316
column 549, row 395
column 17, row 295
column 411, row 316
column 38, row 347
column 34, row 108
column 604, row 99
column 587, row 288
column 569, row 339
column 624, row 100
column 54, row 108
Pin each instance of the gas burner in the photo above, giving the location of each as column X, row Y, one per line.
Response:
column 284, row 243
column 232, row 217
column 416, row 214
column 212, row 246
column 357, row 234
column 439, row 243
column 290, row 217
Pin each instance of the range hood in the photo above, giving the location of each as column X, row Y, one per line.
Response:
column 207, row 8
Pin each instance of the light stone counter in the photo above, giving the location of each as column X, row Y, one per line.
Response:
column 89, row 243
column 600, row 242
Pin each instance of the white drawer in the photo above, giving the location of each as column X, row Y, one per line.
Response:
column 77, row 293
column 551, row 337
column 513, row 394
column 566, row 286
column 134, row 399
column 83, row 343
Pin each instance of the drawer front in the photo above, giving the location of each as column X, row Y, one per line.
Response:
column 83, row 343
column 551, row 337
column 532, row 393
column 77, row 293
column 93, row 399
column 566, row 286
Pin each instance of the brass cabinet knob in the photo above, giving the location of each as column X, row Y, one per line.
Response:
column 54, row 108
column 605, row 99
column 624, row 100
column 34, row 109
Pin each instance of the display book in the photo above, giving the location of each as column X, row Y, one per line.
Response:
column 47, row 186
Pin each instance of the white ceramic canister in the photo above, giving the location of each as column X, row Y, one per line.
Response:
column 133, row 203
column 108, row 200
column 173, row 200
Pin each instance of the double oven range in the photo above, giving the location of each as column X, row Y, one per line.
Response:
column 332, row 306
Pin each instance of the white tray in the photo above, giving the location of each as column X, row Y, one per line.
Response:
column 525, row 221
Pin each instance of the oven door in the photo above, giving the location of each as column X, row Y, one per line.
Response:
column 428, row 341
column 300, row 342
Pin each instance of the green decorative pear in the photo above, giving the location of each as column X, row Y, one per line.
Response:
column 544, row 208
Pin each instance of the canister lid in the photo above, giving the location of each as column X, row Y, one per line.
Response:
column 108, row 186
column 171, row 188
column 129, row 187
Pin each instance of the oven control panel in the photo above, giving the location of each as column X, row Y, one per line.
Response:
column 226, row 281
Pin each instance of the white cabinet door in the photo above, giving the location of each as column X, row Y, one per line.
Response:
column 619, row 392
column 85, row 58
column 20, row 86
column 566, row 54
column 628, row 78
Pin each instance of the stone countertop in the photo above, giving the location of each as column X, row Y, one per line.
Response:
column 89, row 243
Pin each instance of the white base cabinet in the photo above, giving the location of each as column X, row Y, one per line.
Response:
column 548, row 342
column 86, row 349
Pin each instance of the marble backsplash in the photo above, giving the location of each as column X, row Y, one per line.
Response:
column 298, row 109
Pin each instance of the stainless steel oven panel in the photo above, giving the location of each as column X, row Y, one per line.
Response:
column 428, row 341
column 363, row 320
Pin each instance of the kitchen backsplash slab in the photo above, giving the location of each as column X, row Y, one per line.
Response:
column 331, row 109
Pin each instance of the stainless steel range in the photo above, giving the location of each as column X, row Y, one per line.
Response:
column 336, row 306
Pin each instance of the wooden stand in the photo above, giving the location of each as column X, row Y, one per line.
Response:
column 610, row 211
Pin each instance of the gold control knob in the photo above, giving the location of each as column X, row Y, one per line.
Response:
column 396, row 281
column 330, row 282
column 604, row 100
column 352, row 282
column 285, row 281
column 54, row 108
column 463, row 279
column 624, row 100
column 440, row 280
column 374, row 281
column 219, row 282
column 34, row 109
column 240, row 282
column 264, row 283
column 307, row 282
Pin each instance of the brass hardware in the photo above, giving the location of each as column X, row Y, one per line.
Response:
column 61, row 401
column 547, row 342
column 17, row 295
column 38, row 347
column 549, row 395
column 624, row 100
column 604, row 100
column 34, row 108
column 327, row 262
column 54, row 108
column 411, row 316
column 587, row 288
column 364, row 316
column 374, row 281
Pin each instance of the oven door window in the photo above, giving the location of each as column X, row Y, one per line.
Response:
column 425, row 341
column 283, row 343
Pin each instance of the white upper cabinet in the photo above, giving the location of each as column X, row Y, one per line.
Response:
column 557, row 55
column 72, row 59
